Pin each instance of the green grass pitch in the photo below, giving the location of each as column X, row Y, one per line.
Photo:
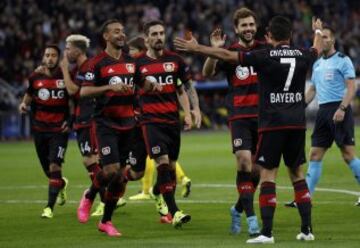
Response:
column 208, row 161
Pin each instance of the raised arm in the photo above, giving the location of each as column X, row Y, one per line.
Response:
column 216, row 40
column 318, row 41
column 192, row 46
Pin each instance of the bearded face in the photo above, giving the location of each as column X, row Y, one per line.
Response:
column 246, row 29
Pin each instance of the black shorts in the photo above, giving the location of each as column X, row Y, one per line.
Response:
column 50, row 147
column 86, row 141
column 326, row 131
column 162, row 139
column 138, row 153
column 287, row 143
column 114, row 145
column 244, row 134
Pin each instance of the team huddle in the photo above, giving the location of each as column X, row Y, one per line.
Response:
column 125, row 107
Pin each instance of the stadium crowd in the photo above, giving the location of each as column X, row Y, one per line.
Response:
column 27, row 25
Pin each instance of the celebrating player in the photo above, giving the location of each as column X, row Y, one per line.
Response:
column 136, row 47
column 282, row 75
column 243, row 111
column 49, row 102
column 160, row 117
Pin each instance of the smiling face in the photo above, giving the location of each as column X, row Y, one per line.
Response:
column 114, row 35
column 155, row 38
column 246, row 29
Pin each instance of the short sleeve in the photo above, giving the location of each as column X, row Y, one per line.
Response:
column 220, row 66
column 30, row 88
column 311, row 54
column 347, row 69
column 90, row 75
column 139, row 80
column 249, row 58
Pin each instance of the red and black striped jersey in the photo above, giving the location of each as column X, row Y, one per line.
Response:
column 242, row 98
column 115, row 110
column 282, row 74
column 170, row 71
column 50, row 102
column 84, row 107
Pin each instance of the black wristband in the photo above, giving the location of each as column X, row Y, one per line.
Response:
column 342, row 107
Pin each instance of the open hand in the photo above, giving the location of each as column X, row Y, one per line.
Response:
column 217, row 39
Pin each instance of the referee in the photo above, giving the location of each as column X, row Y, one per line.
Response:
column 333, row 83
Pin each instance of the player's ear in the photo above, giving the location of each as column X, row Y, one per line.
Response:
column 236, row 29
column 105, row 36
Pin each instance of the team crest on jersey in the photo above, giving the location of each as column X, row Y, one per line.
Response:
column 169, row 67
column 60, row 84
column 44, row 94
column 242, row 72
column 156, row 149
column 237, row 142
column 130, row 68
column 106, row 150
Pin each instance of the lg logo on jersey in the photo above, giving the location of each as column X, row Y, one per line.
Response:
column 118, row 80
column 160, row 80
column 243, row 72
column 45, row 94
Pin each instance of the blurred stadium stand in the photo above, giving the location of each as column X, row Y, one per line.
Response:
column 27, row 25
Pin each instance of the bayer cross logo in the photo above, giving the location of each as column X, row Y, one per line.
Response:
column 44, row 94
column 89, row 76
column 115, row 80
column 242, row 72
column 60, row 84
column 169, row 67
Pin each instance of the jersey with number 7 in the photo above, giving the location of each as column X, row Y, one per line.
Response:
column 282, row 75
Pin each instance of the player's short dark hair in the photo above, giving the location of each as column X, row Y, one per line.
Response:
column 137, row 42
column 104, row 26
column 53, row 46
column 332, row 31
column 242, row 13
column 280, row 28
column 151, row 23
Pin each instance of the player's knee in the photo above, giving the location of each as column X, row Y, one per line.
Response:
column 136, row 175
column 296, row 174
column 163, row 159
column 89, row 160
column 110, row 171
column 243, row 160
column 348, row 156
column 315, row 155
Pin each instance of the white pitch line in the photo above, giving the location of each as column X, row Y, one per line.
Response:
column 341, row 191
